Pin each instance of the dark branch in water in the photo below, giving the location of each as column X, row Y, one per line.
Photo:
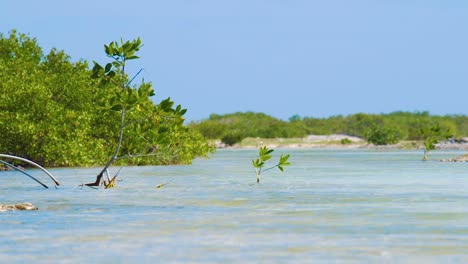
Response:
column 97, row 182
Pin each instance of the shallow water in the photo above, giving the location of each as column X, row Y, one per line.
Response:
column 348, row 206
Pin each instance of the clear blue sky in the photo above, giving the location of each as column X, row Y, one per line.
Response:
column 281, row 57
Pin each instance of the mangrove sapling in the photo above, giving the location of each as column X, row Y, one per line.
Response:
column 429, row 144
column 125, row 98
column 431, row 136
column 122, row 99
column 265, row 155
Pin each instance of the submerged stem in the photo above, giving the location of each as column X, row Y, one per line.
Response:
column 425, row 155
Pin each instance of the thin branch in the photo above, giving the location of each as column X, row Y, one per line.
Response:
column 113, row 158
column 271, row 167
column 25, row 173
column 32, row 163
column 134, row 77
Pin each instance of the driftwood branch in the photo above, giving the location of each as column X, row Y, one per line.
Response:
column 22, row 171
column 31, row 163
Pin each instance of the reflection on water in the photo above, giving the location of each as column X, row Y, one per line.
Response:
column 329, row 206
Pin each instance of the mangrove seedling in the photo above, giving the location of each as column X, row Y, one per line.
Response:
column 431, row 136
column 265, row 155
column 126, row 97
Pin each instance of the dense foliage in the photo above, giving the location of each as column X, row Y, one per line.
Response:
column 379, row 129
column 232, row 128
column 53, row 112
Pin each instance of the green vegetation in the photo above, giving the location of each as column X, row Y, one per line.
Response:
column 345, row 141
column 265, row 155
column 381, row 135
column 432, row 135
column 231, row 138
column 382, row 129
column 232, row 128
column 53, row 112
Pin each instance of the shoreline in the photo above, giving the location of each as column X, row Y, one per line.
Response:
column 336, row 146
column 332, row 142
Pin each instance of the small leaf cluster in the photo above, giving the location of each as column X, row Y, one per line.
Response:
column 120, row 54
column 128, row 97
column 167, row 105
column 264, row 155
column 114, row 72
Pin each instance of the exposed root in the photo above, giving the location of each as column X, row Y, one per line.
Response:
column 111, row 184
column 97, row 182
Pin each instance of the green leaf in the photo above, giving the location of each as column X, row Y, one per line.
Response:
column 132, row 57
column 117, row 107
column 166, row 105
column 125, row 47
column 108, row 50
column 258, row 163
column 111, row 74
column 266, row 157
column 284, row 159
column 108, row 67
column 96, row 70
column 163, row 130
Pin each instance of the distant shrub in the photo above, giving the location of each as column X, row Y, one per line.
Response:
column 345, row 141
column 250, row 124
column 383, row 135
column 232, row 138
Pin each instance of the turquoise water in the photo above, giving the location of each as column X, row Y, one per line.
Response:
column 336, row 206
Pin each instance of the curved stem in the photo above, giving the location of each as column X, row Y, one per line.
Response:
column 25, row 173
column 32, row 163
column 122, row 127
column 119, row 144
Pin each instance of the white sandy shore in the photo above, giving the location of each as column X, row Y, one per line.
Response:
column 333, row 142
